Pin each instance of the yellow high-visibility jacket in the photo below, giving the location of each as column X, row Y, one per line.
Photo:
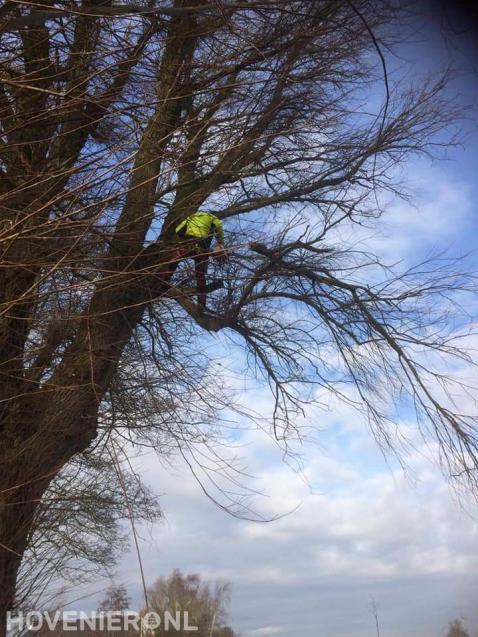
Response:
column 202, row 225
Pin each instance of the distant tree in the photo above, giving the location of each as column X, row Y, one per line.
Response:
column 205, row 602
column 116, row 598
column 456, row 628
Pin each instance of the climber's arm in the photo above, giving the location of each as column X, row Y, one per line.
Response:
column 219, row 230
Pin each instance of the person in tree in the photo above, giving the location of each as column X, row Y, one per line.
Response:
column 195, row 235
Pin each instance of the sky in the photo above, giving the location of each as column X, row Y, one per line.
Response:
column 355, row 528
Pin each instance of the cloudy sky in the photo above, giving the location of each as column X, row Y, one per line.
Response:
column 356, row 528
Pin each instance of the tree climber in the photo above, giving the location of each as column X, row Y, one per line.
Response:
column 195, row 235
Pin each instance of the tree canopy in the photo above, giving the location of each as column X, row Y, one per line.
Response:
column 205, row 602
column 118, row 121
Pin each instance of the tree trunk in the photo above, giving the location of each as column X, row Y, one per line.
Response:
column 18, row 503
column 62, row 422
column 9, row 565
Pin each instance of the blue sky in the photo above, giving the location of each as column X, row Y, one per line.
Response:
column 364, row 529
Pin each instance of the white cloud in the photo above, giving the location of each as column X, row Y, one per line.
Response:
column 440, row 213
column 359, row 529
column 375, row 533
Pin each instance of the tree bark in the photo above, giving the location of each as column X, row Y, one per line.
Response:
column 18, row 503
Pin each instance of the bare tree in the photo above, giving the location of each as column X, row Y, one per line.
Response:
column 116, row 598
column 118, row 121
column 78, row 529
column 205, row 603
column 374, row 612
column 456, row 628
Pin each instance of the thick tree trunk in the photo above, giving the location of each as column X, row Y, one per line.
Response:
column 18, row 502
column 62, row 422
column 9, row 565
column 44, row 425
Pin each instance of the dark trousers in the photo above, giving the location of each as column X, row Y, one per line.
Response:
column 199, row 250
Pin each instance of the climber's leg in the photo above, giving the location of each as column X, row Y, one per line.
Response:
column 182, row 250
column 201, row 262
column 172, row 260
